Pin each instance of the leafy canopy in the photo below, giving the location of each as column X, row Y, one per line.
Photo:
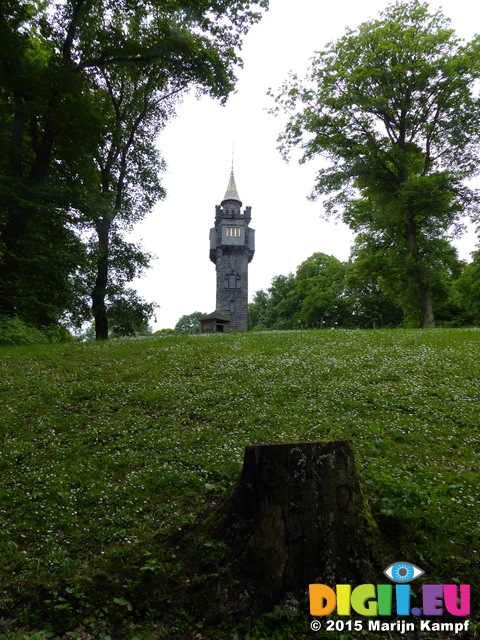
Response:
column 391, row 100
column 189, row 323
column 393, row 109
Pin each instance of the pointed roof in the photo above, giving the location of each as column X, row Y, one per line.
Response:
column 231, row 195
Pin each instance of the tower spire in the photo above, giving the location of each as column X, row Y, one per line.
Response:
column 231, row 194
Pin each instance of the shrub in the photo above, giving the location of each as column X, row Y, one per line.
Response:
column 14, row 331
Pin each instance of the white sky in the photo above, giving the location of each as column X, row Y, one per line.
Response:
column 197, row 147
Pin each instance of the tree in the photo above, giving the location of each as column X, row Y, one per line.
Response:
column 51, row 54
column 465, row 294
column 257, row 310
column 129, row 314
column 189, row 323
column 325, row 292
column 276, row 308
column 119, row 262
column 39, row 243
column 134, row 107
column 371, row 306
column 320, row 282
column 283, row 303
column 392, row 106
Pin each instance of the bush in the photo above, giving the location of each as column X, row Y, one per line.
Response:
column 14, row 331
column 164, row 332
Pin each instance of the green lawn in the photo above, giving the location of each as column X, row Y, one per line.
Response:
column 109, row 452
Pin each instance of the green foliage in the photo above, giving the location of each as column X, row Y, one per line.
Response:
column 13, row 332
column 392, row 105
column 324, row 293
column 371, row 307
column 133, row 108
column 129, row 314
column 320, row 282
column 278, row 307
column 110, row 451
column 465, row 293
column 164, row 332
column 189, row 323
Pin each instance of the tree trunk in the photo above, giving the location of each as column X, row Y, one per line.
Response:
column 16, row 218
column 297, row 517
column 14, row 230
column 311, row 523
column 23, row 207
column 426, row 306
column 99, row 292
column 421, row 286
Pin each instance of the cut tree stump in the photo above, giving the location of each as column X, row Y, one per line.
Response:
column 310, row 520
column 297, row 517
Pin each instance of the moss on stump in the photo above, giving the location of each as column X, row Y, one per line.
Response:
column 296, row 517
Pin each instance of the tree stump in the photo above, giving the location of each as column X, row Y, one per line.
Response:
column 297, row 517
column 310, row 520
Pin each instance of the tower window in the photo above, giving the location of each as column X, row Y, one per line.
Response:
column 233, row 232
column 232, row 280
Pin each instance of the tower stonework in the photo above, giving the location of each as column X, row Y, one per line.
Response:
column 232, row 245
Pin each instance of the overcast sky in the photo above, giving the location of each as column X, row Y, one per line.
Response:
column 197, row 146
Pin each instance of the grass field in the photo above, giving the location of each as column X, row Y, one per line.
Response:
column 109, row 453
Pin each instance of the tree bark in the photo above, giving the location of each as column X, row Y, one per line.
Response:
column 99, row 292
column 426, row 306
column 311, row 523
column 297, row 517
column 422, row 288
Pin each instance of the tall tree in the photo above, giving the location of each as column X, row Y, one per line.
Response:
column 134, row 107
column 38, row 243
column 393, row 106
column 283, row 303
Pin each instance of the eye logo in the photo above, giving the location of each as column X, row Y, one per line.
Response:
column 403, row 572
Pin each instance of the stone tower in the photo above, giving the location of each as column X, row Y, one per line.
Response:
column 232, row 245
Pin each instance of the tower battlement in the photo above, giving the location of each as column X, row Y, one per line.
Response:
column 232, row 212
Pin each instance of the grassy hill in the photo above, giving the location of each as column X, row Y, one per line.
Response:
column 110, row 452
